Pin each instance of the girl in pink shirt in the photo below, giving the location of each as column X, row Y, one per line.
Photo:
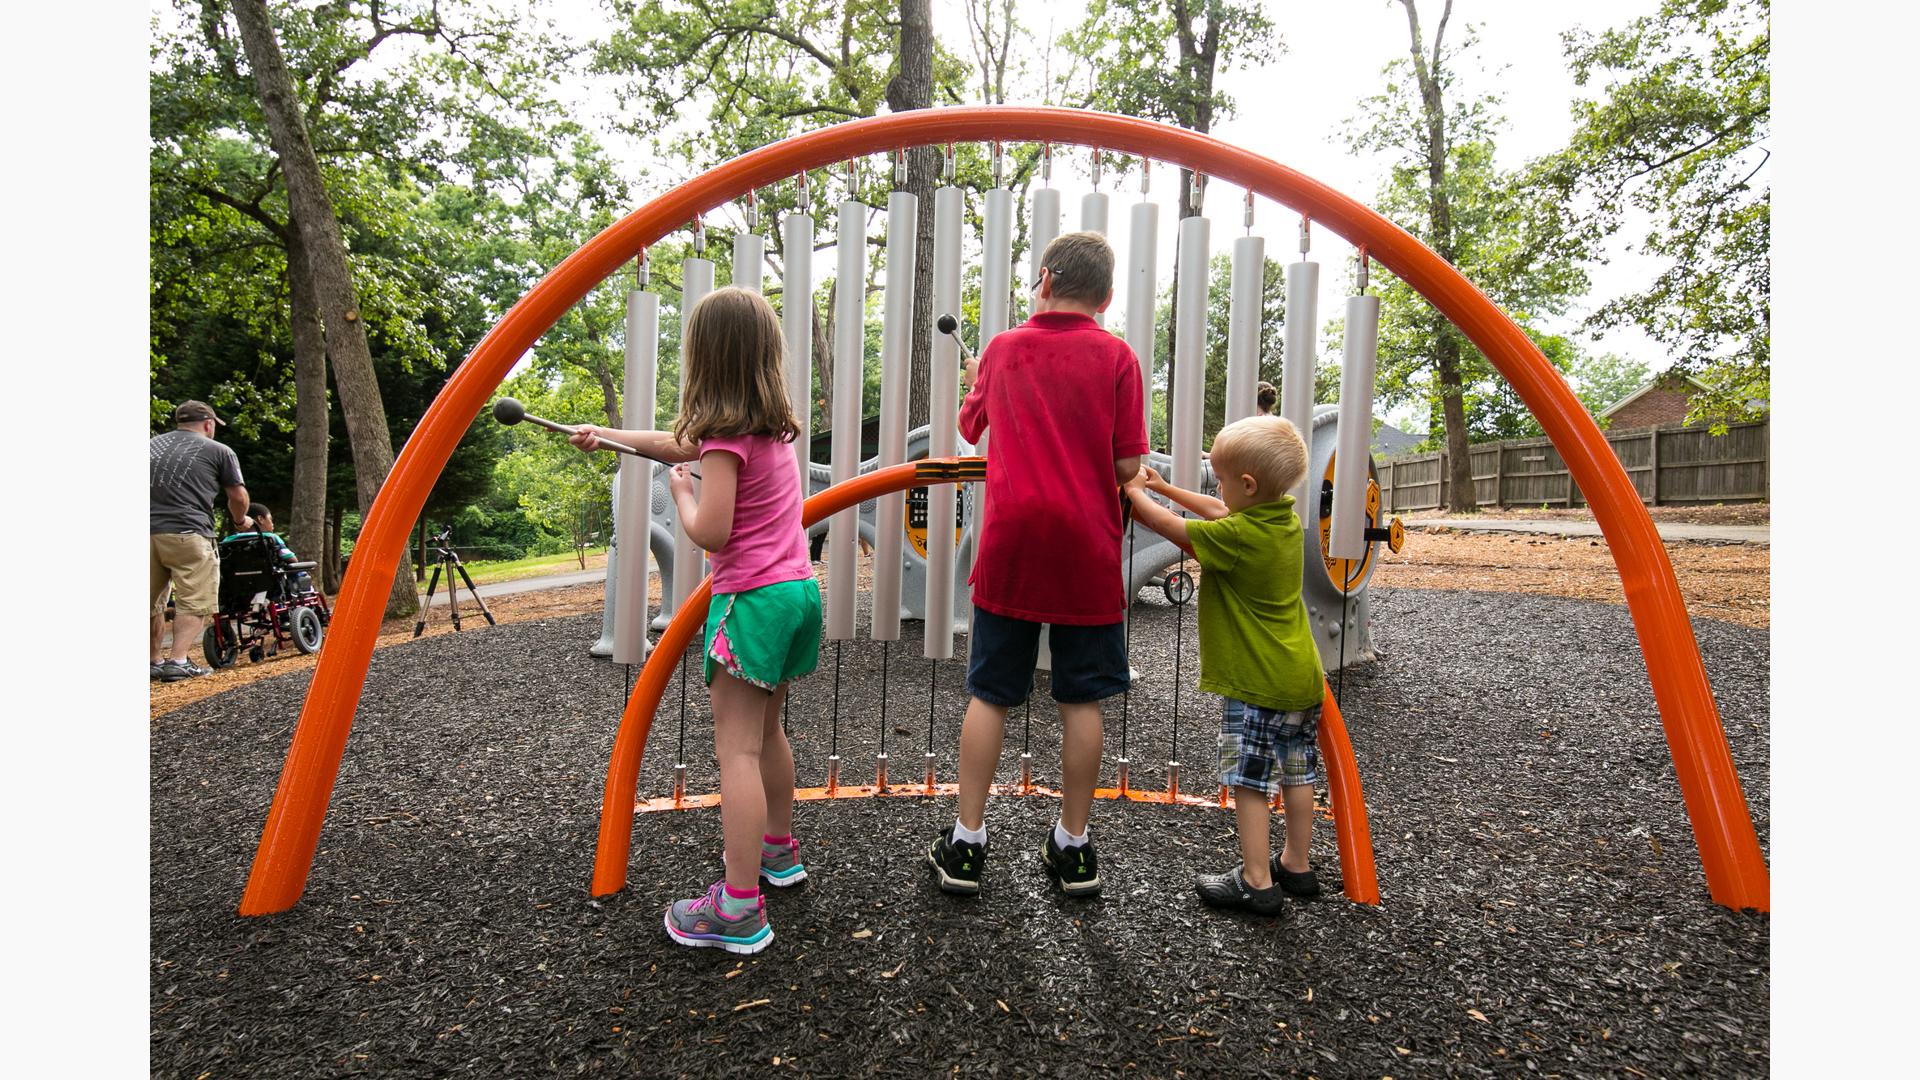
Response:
column 763, row 622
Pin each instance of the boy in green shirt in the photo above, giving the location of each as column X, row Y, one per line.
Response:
column 1256, row 648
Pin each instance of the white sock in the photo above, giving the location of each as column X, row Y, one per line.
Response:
column 964, row 835
column 1063, row 839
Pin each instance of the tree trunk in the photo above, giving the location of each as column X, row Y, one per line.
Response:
column 307, row 521
column 330, row 572
column 312, row 213
column 420, row 551
column 912, row 88
column 1453, row 407
column 823, row 357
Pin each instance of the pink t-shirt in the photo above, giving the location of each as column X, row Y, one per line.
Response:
column 1061, row 398
column 766, row 545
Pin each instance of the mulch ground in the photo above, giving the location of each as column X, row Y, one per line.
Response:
column 1544, row 912
column 1700, row 514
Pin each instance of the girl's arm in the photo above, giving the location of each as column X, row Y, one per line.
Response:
column 1157, row 517
column 709, row 519
column 1206, row 506
column 659, row 445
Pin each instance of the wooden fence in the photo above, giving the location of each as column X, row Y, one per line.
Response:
column 1669, row 464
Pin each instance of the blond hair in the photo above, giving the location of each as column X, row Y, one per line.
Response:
column 1082, row 266
column 734, row 370
column 1267, row 448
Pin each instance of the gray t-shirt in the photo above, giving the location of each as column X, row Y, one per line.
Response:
column 186, row 473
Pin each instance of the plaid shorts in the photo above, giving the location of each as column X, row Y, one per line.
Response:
column 1264, row 750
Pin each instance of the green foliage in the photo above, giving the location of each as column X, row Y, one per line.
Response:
column 1602, row 380
column 1502, row 233
column 1126, row 45
column 1680, row 132
column 562, row 490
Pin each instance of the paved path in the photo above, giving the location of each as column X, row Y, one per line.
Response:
column 521, row 585
column 1669, row 530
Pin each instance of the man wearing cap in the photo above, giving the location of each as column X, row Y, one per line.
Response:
column 187, row 470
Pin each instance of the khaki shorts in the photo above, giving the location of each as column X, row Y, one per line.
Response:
column 187, row 562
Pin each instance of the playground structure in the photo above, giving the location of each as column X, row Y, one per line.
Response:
column 1735, row 870
column 1149, row 555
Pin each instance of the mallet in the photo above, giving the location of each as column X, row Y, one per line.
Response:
column 950, row 326
column 510, row 411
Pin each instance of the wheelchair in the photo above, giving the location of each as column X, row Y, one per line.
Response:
column 265, row 602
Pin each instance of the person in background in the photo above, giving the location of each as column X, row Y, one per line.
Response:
column 187, row 470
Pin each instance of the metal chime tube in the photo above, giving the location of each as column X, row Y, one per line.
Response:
column 1189, row 350
column 749, row 248
column 1093, row 217
column 1143, row 259
column 796, row 320
column 1348, row 539
column 849, row 334
column 1243, row 327
column 696, row 275
column 1296, row 373
column 896, row 348
column 1046, row 216
column 943, row 405
column 635, row 526
column 996, row 276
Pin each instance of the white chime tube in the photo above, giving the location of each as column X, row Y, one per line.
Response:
column 1046, row 226
column 1296, row 377
column 635, row 512
column 849, row 341
column 796, row 320
column 1093, row 218
column 943, row 405
column 1243, row 327
column 748, row 249
column 1189, row 353
column 996, row 274
column 1348, row 540
column 689, row 563
column 1143, row 249
column 896, row 352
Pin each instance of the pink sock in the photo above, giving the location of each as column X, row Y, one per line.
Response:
column 777, row 841
column 734, row 901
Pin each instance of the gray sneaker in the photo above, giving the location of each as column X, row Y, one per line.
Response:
column 699, row 923
column 172, row 671
column 783, row 870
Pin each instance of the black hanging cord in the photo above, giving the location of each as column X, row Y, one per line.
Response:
column 886, row 653
column 933, row 684
column 836, row 697
column 1179, row 629
column 680, row 754
column 1126, row 523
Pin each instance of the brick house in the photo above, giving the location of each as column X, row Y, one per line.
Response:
column 1662, row 400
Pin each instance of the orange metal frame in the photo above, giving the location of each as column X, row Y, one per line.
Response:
column 1730, row 854
column 618, row 806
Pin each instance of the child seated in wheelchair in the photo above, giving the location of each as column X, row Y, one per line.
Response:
column 257, row 567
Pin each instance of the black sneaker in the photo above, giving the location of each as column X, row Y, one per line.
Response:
column 1301, row 886
column 1230, row 892
column 1077, row 869
column 169, row 671
column 156, row 671
column 958, row 864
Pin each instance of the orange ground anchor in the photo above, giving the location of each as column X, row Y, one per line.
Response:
column 1736, row 872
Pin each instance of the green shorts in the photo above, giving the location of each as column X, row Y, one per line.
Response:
column 765, row 636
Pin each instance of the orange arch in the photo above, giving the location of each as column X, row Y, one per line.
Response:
column 1729, row 849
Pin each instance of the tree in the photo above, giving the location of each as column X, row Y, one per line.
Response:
column 1445, row 188
column 1679, row 133
column 561, row 489
column 1125, row 43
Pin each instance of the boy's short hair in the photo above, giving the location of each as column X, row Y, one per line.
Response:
column 1268, row 448
column 1082, row 266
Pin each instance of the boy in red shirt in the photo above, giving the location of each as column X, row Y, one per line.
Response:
column 1062, row 398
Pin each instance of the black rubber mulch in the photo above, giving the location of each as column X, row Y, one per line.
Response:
column 1544, row 911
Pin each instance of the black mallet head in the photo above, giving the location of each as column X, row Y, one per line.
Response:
column 509, row 411
column 946, row 324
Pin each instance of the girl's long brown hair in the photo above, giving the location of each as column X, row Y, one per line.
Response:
column 735, row 370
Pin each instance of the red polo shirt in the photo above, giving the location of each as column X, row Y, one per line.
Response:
column 1061, row 398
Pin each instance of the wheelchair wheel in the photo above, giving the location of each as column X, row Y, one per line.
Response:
column 305, row 625
column 219, row 654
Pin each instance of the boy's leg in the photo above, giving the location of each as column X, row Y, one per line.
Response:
column 1297, row 799
column 982, row 735
column 776, row 766
column 739, row 718
column 1080, row 743
column 1252, row 816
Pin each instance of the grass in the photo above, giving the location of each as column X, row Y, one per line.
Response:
column 494, row 571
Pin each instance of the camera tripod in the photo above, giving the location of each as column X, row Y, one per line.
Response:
column 445, row 558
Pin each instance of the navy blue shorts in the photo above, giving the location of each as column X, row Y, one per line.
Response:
column 1089, row 662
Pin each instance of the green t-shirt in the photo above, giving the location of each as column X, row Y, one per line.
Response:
column 1255, row 642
